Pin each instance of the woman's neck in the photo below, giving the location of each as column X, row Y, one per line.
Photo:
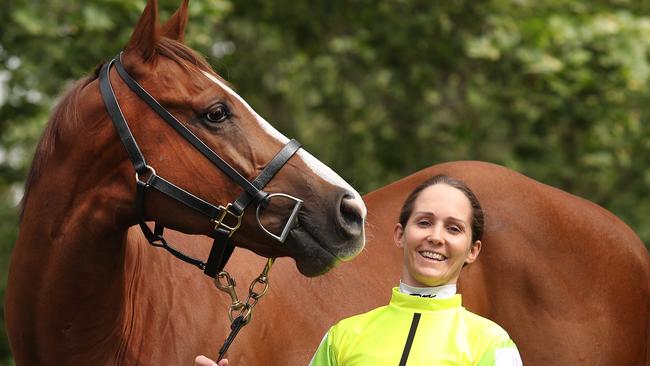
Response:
column 438, row 292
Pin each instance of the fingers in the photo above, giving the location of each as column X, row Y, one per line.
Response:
column 204, row 361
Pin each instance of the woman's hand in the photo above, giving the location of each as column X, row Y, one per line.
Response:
column 204, row 361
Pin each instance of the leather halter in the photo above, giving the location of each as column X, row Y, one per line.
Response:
column 226, row 219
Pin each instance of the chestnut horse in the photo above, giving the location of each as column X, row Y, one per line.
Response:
column 567, row 279
column 84, row 285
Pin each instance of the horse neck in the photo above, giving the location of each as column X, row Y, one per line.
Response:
column 82, row 202
column 70, row 254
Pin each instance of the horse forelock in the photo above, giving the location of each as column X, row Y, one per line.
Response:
column 183, row 55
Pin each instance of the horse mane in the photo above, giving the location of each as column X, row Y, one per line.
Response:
column 67, row 109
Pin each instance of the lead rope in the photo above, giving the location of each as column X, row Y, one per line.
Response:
column 244, row 310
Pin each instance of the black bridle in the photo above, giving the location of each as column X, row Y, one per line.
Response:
column 226, row 219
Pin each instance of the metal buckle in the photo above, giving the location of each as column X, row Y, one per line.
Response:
column 225, row 212
column 292, row 218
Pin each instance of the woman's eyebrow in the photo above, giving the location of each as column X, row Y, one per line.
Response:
column 457, row 220
column 426, row 213
column 430, row 213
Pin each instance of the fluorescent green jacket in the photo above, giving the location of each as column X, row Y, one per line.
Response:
column 444, row 333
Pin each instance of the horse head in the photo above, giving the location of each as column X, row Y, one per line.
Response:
column 320, row 214
column 155, row 135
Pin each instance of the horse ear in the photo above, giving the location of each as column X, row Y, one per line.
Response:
column 174, row 28
column 147, row 32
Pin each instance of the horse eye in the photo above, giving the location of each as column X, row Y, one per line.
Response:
column 218, row 114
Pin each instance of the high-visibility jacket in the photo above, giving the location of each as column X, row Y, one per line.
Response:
column 412, row 331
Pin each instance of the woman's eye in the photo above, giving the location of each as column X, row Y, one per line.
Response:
column 423, row 223
column 218, row 114
column 454, row 229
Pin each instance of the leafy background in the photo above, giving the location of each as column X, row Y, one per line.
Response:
column 555, row 89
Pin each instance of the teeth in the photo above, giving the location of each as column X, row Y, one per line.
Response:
column 433, row 255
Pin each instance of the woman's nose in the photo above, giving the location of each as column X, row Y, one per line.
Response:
column 435, row 235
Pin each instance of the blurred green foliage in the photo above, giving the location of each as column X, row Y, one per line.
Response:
column 555, row 89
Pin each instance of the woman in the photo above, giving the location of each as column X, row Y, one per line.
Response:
column 439, row 230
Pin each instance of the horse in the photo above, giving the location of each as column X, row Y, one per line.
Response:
column 568, row 280
column 84, row 285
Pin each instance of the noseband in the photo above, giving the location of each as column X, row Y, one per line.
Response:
column 226, row 219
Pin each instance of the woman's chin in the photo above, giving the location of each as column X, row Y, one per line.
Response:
column 429, row 277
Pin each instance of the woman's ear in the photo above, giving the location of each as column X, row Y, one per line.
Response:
column 398, row 234
column 473, row 252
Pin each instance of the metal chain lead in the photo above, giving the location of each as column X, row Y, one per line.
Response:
column 256, row 290
column 245, row 309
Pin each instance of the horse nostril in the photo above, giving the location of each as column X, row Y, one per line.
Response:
column 351, row 216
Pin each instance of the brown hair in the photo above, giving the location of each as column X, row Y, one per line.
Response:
column 478, row 220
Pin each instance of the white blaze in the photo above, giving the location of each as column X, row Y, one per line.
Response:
column 316, row 166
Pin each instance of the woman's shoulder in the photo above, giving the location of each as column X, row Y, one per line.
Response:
column 483, row 328
column 490, row 342
column 360, row 319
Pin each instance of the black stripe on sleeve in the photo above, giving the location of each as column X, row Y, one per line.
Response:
column 409, row 339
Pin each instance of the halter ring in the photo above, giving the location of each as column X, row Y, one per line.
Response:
column 292, row 218
column 150, row 169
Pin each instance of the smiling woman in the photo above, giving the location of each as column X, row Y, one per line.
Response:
column 440, row 229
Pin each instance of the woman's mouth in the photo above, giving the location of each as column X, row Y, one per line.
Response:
column 432, row 256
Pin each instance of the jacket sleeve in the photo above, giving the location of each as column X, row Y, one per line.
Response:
column 324, row 355
column 501, row 353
